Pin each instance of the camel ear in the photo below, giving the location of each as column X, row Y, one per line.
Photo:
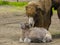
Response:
column 40, row 8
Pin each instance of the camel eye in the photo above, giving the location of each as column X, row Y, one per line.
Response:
column 26, row 7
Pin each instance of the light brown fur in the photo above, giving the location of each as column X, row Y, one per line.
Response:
column 40, row 11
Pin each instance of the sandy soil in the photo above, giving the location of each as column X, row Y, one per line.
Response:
column 10, row 31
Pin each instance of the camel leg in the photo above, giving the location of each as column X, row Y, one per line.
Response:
column 58, row 12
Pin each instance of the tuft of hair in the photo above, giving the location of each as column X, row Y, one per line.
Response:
column 31, row 2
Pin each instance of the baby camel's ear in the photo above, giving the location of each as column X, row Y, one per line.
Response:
column 27, row 26
column 22, row 26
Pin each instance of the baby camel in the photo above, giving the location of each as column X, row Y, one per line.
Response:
column 34, row 34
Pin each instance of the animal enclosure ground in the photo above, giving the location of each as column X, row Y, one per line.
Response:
column 10, row 31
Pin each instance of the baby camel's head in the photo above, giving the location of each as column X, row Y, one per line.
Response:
column 25, row 26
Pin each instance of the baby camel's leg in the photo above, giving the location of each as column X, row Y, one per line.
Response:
column 27, row 39
column 21, row 40
column 22, row 36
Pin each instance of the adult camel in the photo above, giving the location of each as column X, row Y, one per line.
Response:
column 39, row 13
column 56, row 5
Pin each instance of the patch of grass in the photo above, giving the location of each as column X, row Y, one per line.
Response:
column 4, row 2
column 18, row 3
column 54, row 11
column 13, row 3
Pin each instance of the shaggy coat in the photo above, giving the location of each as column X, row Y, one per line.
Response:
column 41, row 12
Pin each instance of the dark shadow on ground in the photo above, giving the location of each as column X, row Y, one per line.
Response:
column 56, row 36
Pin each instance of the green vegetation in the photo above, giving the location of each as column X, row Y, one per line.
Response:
column 17, row 4
column 13, row 3
column 54, row 11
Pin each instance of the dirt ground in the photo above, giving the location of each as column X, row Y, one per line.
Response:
column 10, row 31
